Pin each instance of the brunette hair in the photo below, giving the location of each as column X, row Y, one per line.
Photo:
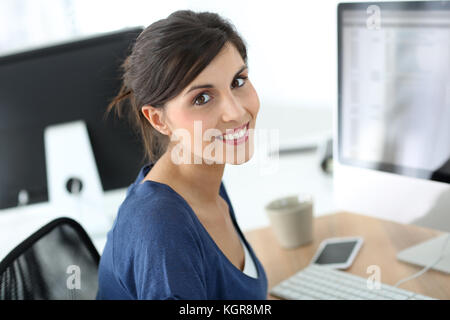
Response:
column 167, row 56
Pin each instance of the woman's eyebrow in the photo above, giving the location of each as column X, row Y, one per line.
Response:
column 210, row 85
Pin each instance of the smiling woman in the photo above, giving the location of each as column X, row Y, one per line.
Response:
column 175, row 235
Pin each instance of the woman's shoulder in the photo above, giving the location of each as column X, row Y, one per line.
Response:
column 146, row 211
column 151, row 205
column 153, row 234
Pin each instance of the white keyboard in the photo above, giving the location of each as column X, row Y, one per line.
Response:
column 323, row 283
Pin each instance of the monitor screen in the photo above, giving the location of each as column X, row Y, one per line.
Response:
column 57, row 84
column 394, row 87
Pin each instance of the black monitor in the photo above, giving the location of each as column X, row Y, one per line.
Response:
column 62, row 83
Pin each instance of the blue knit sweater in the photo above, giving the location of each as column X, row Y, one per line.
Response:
column 158, row 249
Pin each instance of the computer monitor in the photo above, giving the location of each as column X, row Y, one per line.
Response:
column 393, row 113
column 69, row 81
column 394, row 106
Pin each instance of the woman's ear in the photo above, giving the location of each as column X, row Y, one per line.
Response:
column 156, row 118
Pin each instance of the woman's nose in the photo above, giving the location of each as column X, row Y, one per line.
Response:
column 233, row 109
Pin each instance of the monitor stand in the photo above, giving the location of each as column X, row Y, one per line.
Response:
column 73, row 181
column 427, row 252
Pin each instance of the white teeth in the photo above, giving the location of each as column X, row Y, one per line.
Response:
column 233, row 136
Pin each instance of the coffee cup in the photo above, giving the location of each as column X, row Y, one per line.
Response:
column 291, row 218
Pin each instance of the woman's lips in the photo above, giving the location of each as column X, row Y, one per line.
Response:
column 236, row 129
column 236, row 140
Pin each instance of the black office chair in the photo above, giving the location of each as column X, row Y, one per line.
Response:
column 57, row 262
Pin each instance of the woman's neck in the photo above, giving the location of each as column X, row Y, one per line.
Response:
column 199, row 182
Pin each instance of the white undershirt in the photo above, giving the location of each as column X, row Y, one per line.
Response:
column 249, row 264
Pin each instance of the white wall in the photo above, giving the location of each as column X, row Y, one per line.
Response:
column 29, row 23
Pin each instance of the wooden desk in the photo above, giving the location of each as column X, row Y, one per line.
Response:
column 382, row 241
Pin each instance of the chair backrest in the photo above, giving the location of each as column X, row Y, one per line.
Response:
column 57, row 262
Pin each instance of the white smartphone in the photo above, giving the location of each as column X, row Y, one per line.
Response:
column 337, row 253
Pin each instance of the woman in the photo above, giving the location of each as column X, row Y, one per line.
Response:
column 175, row 235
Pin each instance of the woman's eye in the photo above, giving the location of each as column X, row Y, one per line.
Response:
column 201, row 99
column 242, row 78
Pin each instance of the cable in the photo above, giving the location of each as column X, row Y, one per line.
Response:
column 425, row 269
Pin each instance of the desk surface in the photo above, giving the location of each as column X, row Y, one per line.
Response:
column 382, row 241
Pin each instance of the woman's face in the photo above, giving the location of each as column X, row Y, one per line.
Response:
column 220, row 101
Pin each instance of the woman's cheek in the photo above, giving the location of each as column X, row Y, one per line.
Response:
column 254, row 102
